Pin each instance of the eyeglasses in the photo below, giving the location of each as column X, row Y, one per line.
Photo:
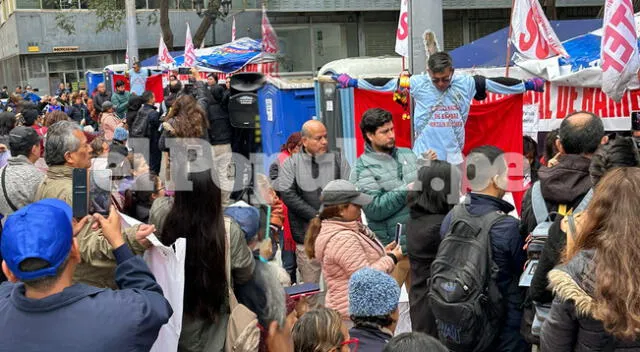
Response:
column 443, row 80
column 352, row 344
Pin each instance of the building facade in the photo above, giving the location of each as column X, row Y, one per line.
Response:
column 35, row 47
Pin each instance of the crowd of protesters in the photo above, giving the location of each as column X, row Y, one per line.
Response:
column 355, row 235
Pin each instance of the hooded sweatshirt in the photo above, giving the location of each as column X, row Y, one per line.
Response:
column 566, row 183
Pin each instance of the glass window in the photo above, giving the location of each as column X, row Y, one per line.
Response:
column 141, row 4
column 62, row 64
column 155, row 4
column 295, row 48
column 330, row 43
column 50, row 4
column 94, row 62
column 186, row 4
column 69, row 4
column 37, row 67
column 27, row 4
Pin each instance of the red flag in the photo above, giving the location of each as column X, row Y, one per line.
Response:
column 154, row 84
column 531, row 32
column 164, row 58
column 233, row 30
column 499, row 123
column 619, row 49
column 364, row 100
column 189, row 50
column 269, row 37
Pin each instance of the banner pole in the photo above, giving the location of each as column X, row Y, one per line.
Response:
column 508, row 60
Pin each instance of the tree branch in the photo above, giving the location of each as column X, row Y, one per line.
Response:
column 165, row 26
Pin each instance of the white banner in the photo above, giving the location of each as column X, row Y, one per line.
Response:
column 531, row 32
column 619, row 48
column 402, row 34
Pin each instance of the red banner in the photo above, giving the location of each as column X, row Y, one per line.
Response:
column 367, row 99
column 154, row 84
column 498, row 123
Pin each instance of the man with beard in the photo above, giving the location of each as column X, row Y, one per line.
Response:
column 386, row 173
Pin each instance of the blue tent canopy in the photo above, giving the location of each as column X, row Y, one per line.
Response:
column 153, row 61
column 491, row 50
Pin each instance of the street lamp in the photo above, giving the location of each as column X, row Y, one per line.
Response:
column 222, row 11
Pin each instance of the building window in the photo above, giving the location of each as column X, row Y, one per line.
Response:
column 94, row 62
column 185, row 4
column 37, row 68
column 295, row 48
column 26, row 4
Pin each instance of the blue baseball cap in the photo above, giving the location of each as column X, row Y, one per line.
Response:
column 40, row 230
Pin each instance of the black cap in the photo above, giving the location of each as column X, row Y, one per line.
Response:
column 23, row 138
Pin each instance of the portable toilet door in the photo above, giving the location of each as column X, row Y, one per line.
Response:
column 283, row 111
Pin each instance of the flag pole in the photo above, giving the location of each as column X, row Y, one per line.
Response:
column 513, row 2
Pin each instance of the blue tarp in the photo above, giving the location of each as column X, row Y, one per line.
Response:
column 491, row 50
column 227, row 58
column 153, row 61
column 584, row 51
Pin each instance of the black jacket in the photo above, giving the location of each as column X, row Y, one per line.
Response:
column 135, row 103
column 508, row 254
column 423, row 240
column 570, row 325
column 99, row 99
column 302, row 180
column 79, row 112
column 220, row 130
column 370, row 338
column 565, row 183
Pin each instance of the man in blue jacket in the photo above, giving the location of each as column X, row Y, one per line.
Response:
column 487, row 173
column 43, row 310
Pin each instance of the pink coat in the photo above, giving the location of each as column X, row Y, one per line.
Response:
column 342, row 249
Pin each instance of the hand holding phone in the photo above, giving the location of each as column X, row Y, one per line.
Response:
column 111, row 228
column 399, row 231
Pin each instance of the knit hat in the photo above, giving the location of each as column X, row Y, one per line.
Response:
column 372, row 293
column 120, row 134
column 246, row 216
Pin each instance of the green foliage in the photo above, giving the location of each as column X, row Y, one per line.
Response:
column 111, row 14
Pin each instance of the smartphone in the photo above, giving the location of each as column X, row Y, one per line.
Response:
column 184, row 70
column 100, row 185
column 302, row 290
column 399, row 230
column 79, row 198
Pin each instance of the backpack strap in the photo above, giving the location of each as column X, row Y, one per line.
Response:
column 538, row 204
column 233, row 302
column 4, row 190
column 585, row 202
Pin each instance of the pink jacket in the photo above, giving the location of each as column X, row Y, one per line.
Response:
column 342, row 249
column 109, row 123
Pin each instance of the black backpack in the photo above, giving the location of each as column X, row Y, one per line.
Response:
column 463, row 294
column 140, row 126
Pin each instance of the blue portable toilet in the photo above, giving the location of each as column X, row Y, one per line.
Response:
column 284, row 107
column 93, row 79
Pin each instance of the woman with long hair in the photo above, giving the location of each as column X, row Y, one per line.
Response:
column 343, row 244
column 197, row 216
column 322, row 330
column 186, row 119
column 437, row 191
column 597, row 306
